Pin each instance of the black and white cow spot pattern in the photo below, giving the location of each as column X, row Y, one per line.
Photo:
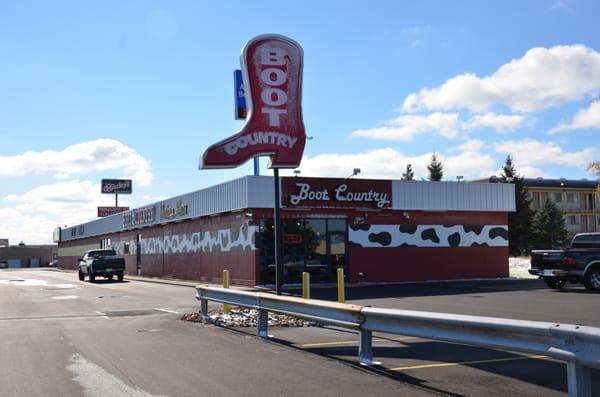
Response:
column 224, row 240
column 383, row 238
column 378, row 236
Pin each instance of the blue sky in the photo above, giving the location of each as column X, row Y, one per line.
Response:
column 139, row 89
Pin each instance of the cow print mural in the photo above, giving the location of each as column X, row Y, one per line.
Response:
column 378, row 236
column 223, row 240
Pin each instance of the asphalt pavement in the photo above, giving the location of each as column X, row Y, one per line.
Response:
column 63, row 337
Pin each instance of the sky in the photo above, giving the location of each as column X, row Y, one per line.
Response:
column 138, row 89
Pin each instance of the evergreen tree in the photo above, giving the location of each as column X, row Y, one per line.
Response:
column 550, row 230
column 520, row 222
column 436, row 169
column 409, row 175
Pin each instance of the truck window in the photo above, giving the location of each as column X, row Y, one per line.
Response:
column 586, row 241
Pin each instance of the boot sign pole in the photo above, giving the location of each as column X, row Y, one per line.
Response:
column 272, row 72
column 272, row 69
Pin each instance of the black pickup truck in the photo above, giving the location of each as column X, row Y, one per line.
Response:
column 579, row 263
column 104, row 263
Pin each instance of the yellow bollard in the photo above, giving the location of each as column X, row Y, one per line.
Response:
column 226, row 285
column 340, row 282
column 306, row 285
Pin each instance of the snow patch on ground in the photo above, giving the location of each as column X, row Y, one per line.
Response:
column 97, row 382
column 518, row 267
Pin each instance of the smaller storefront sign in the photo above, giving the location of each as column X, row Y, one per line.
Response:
column 241, row 110
column 140, row 216
column 120, row 186
column 332, row 193
column 292, row 239
column 107, row 211
column 171, row 210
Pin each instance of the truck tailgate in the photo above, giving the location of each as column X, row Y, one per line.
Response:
column 547, row 259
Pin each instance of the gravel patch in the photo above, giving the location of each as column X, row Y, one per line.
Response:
column 240, row 317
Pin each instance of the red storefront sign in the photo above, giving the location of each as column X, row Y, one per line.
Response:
column 292, row 238
column 107, row 211
column 336, row 193
column 272, row 68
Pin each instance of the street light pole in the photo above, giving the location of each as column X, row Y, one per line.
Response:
column 278, row 234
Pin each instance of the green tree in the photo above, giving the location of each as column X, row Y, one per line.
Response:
column 409, row 175
column 594, row 167
column 549, row 227
column 435, row 168
column 520, row 222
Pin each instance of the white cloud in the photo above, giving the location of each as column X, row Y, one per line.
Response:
column 80, row 159
column 499, row 122
column 448, row 125
column 468, row 160
column 542, row 78
column 534, row 153
column 471, row 161
column 586, row 118
column 32, row 216
column 407, row 127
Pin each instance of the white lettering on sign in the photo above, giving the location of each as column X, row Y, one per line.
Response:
column 380, row 198
column 273, row 77
column 341, row 194
column 307, row 194
column 260, row 137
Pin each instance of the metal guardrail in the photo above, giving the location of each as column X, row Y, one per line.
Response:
column 578, row 346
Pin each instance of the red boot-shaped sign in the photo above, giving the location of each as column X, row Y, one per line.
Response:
column 272, row 68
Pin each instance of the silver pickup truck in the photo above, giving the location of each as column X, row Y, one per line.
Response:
column 103, row 263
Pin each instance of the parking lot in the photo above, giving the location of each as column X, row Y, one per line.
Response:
column 454, row 369
column 130, row 335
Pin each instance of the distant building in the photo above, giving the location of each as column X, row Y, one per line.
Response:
column 18, row 256
column 579, row 199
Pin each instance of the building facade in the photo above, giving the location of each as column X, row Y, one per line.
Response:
column 19, row 256
column 578, row 199
column 377, row 230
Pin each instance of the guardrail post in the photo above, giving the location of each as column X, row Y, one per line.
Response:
column 263, row 323
column 365, row 349
column 340, row 284
column 579, row 379
column 226, row 307
column 204, row 309
column 306, row 285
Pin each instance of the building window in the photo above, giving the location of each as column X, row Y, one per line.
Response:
column 570, row 198
column 317, row 246
column 535, row 203
column 557, row 197
column 573, row 220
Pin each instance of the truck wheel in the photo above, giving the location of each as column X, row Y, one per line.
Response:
column 120, row 276
column 81, row 275
column 555, row 283
column 592, row 279
column 92, row 278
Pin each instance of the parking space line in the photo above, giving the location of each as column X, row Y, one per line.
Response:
column 355, row 342
column 437, row 365
column 166, row 311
